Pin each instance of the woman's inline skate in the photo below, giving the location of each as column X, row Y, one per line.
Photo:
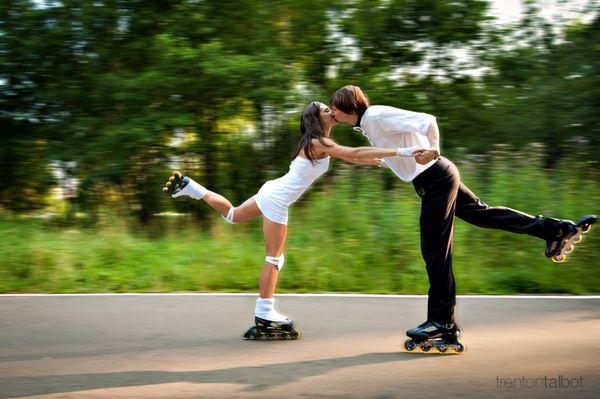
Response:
column 269, row 324
column 272, row 330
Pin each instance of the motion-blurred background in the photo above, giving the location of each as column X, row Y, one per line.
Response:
column 101, row 100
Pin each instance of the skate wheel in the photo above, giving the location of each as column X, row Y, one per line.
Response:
column 442, row 348
column 165, row 190
column 252, row 334
column 459, row 348
column 570, row 249
column 426, row 347
column 171, row 180
column 177, row 174
column 559, row 258
column 586, row 228
column 410, row 345
column 579, row 238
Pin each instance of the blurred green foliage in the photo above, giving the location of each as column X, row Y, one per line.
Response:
column 100, row 100
column 348, row 234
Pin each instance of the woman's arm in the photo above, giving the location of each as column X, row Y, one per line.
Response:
column 371, row 161
column 352, row 153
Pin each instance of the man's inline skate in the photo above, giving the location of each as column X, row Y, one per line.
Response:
column 568, row 234
column 433, row 337
column 272, row 330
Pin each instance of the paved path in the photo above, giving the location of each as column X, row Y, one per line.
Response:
column 188, row 346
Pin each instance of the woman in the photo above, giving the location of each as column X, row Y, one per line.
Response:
column 310, row 161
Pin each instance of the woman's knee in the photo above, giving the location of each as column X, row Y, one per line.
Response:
column 230, row 218
column 276, row 261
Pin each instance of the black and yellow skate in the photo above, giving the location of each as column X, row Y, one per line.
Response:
column 265, row 330
column 432, row 337
column 569, row 234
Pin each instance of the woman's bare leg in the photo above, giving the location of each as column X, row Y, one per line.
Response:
column 248, row 210
column 275, row 235
column 270, row 324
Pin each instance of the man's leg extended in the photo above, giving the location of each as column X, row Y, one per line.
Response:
column 560, row 235
column 470, row 209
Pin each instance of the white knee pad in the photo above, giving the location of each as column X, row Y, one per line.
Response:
column 229, row 218
column 276, row 260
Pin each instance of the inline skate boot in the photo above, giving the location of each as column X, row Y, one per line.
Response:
column 179, row 185
column 442, row 338
column 272, row 330
column 568, row 234
column 176, row 183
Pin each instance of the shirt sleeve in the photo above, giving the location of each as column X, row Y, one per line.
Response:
column 396, row 121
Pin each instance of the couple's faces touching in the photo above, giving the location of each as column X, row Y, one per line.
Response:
column 332, row 116
column 327, row 116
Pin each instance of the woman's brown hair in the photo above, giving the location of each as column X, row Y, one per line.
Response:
column 311, row 128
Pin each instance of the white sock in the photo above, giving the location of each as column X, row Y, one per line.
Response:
column 192, row 189
column 265, row 309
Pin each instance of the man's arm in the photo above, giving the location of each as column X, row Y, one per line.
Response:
column 433, row 135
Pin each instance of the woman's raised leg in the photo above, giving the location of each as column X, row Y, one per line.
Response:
column 248, row 210
column 179, row 185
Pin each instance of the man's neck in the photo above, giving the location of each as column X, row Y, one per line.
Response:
column 356, row 118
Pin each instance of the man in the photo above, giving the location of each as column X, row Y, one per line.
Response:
column 437, row 182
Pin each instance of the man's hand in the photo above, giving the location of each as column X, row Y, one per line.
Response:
column 425, row 156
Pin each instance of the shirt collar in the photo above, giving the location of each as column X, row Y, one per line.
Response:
column 358, row 120
column 357, row 127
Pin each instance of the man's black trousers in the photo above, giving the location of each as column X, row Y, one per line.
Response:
column 444, row 196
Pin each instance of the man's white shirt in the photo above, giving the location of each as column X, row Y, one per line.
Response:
column 389, row 127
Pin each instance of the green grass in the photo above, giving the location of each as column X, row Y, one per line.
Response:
column 348, row 235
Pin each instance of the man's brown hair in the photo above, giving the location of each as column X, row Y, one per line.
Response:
column 350, row 100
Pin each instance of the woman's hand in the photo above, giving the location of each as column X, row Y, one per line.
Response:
column 425, row 156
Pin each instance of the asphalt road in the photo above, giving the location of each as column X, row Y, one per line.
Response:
column 190, row 347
